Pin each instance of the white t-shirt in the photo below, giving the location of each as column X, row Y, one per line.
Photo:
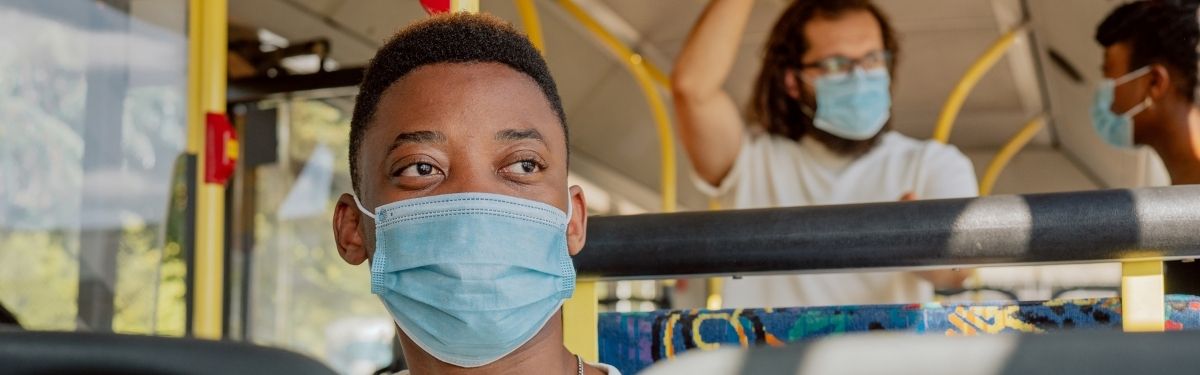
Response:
column 773, row 171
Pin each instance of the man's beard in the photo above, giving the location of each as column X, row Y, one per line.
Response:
column 843, row 146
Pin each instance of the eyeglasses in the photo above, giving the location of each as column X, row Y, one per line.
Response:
column 844, row 65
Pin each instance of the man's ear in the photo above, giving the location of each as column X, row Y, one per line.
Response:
column 577, row 227
column 1160, row 81
column 791, row 82
column 346, row 230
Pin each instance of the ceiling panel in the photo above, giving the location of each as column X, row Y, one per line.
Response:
column 377, row 20
column 325, row 7
column 670, row 21
column 576, row 60
column 912, row 14
column 295, row 22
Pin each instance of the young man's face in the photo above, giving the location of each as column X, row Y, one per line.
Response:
column 853, row 34
column 455, row 128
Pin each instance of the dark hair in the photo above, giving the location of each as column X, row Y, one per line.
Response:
column 771, row 106
column 7, row 318
column 447, row 38
column 1158, row 32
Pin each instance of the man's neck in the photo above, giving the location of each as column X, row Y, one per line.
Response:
column 541, row 355
column 1179, row 146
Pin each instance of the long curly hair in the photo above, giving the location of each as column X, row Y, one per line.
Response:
column 777, row 112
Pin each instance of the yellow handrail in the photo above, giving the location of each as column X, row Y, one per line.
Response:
column 954, row 102
column 658, row 76
column 533, row 25
column 645, row 75
column 1006, row 153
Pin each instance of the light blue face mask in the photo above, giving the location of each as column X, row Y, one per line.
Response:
column 1116, row 129
column 471, row 277
column 853, row 105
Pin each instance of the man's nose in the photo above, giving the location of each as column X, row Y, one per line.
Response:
column 473, row 177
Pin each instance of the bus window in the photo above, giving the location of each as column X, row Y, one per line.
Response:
column 92, row 121
column 300, row 294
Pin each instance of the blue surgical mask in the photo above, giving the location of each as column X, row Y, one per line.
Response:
column 1116, row 129
column 471, row 277
column 853, row 105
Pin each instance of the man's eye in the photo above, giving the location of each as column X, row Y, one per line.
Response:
column 523, row 167
column 836, row 64
column 418, row 170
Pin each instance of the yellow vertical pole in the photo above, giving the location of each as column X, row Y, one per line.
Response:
column 207, row 49
column 470, row 6
column 580, row 319
column 533, row 25
column 714, row 301
column 1142, row 296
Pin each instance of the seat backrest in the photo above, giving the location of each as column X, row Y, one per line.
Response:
column 634, row 341
column 29, row 352
column 1093, row 352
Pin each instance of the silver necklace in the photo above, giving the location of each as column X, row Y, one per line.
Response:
column 579, row 363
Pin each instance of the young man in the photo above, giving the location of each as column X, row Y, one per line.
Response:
column 820, row 136
column 458, row 156
column 1149, row 93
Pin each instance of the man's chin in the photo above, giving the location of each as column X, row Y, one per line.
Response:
column 846, row 147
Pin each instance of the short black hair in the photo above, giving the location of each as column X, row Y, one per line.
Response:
column 446, row 38
column 1158, row 32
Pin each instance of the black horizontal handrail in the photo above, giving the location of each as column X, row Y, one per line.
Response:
column 1076, row 227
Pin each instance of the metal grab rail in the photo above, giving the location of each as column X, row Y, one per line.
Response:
column 1006, row 153
column 1111, row 225
column 966, row 84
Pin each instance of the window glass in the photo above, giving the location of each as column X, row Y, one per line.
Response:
column 92, row 123
column 302, row 295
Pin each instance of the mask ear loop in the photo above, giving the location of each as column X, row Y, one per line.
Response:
column 361, row 208
column 570, row 205
column 1131, row 76
column 1138, row 108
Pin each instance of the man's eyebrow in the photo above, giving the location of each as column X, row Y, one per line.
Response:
column 511, row 135
column 423, row 136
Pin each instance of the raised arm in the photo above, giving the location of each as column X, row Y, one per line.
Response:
column 710, row 124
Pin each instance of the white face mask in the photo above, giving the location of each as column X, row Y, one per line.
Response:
column 470, row 277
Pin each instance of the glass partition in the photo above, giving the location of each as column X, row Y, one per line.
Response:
column 301, row 295
column 92, row 122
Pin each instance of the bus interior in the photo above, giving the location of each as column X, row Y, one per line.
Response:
column 132, row 206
